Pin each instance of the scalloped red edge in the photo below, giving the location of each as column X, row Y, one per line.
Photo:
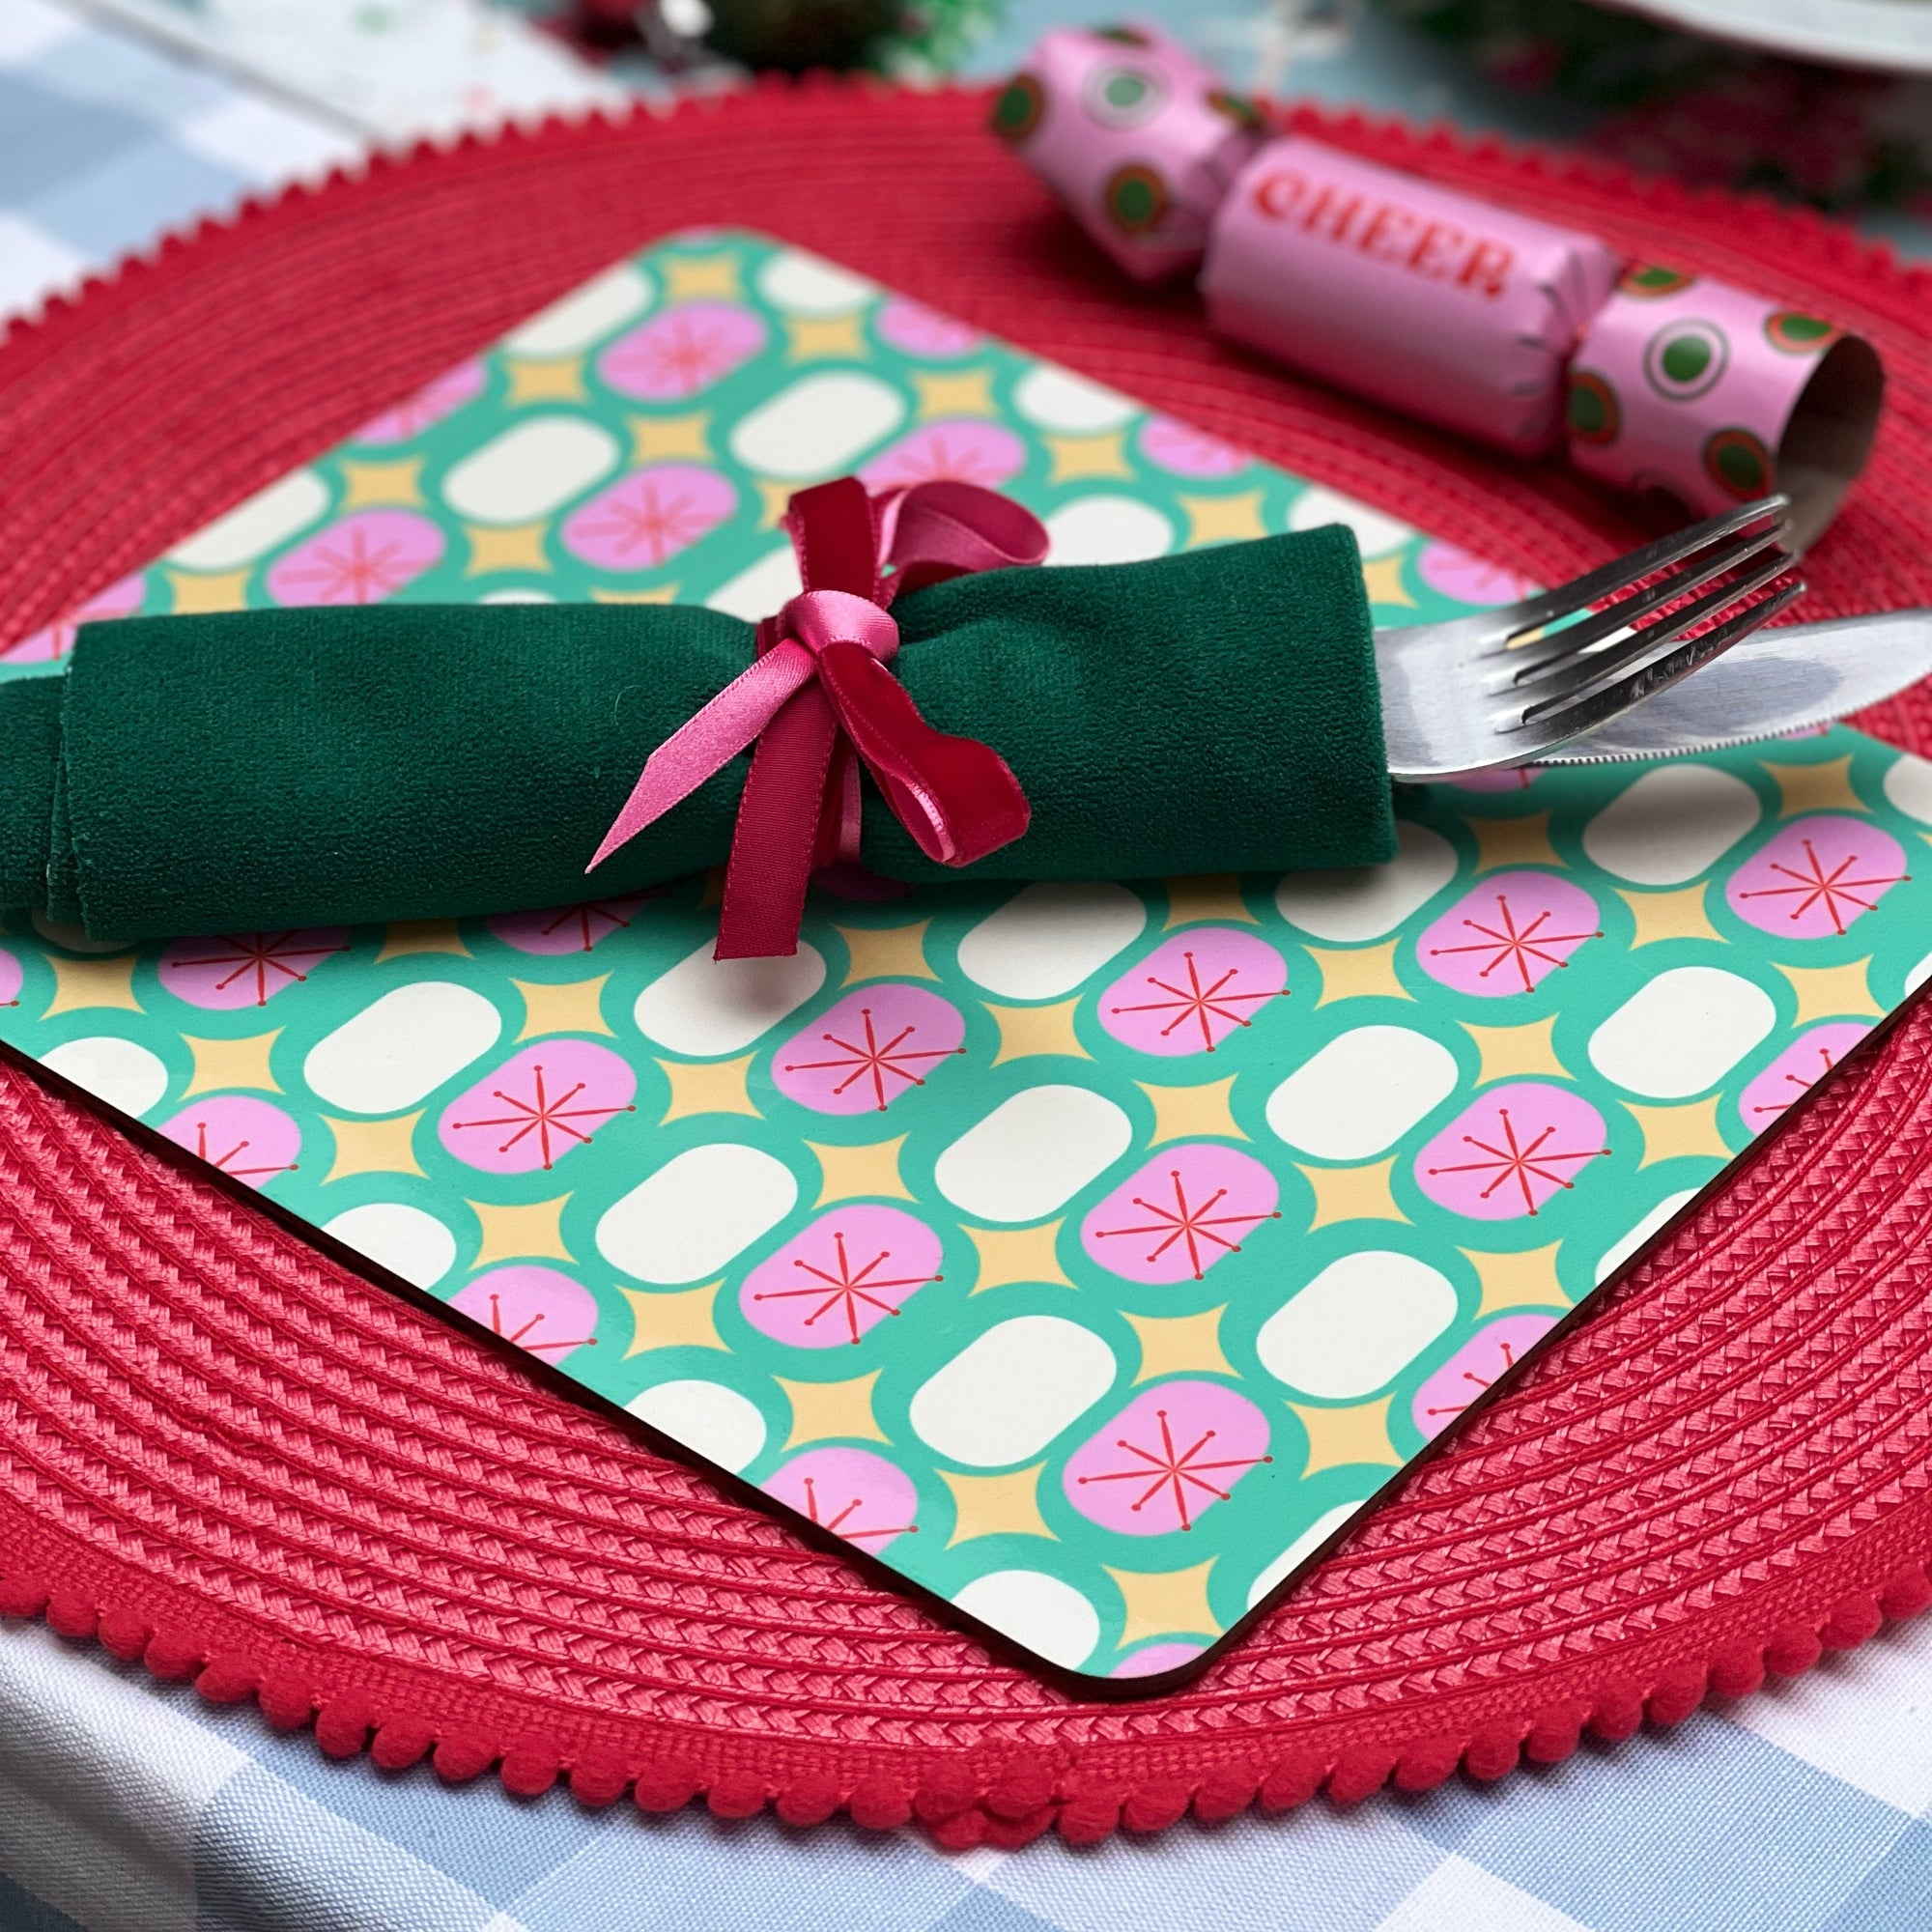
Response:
column 1024, row 1794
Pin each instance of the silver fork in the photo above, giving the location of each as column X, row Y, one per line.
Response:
column 1503, row 687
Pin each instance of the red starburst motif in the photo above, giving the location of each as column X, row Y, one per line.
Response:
column 1799, row 1084
column 682, row 354
column 1830, row 891
column 264, row 958
column 873, row 1059
column 1200, row 1006
column 587, row 923
column 1518, row 1162
column 658, row 523
column 1518, row 948
column 543, row 1115
column 1193, row 1225
column 521, row 1336
column 848, row 1287
column 231, row 1163
column 351, row 569
column 1173, row 1473
column 1477, row 1384
column 841, row 1520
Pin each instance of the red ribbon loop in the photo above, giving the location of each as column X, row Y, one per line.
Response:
column 819, row 702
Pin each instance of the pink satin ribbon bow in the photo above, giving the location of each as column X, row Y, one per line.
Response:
column 819, row 702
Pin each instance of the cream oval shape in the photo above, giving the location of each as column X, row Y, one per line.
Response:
column 252, row 529
column 531, row 469
column 1039, row 1613
column 1356, row 1325
column 818, row 426
column 1360, row 902
column 1908, row 786
column 402, row 1048
column 696, row 1212
column 403, row 1240
column 1050, row 936
column 705, row 1006
column 1681, row 1032
column 1107, row 529
column 120, row 1071
column 586, row 314
column 1362, row 1091
column 716, row 1422
column 760, row 589
column 1675, row 821
column 803, row 284
column 1011, row 1391
column 1057, row 399
column 1033, row 1152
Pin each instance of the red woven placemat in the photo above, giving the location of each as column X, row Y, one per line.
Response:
column 247, row 1465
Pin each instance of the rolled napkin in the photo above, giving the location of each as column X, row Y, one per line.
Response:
column 1511, row 330
column 1210, row 712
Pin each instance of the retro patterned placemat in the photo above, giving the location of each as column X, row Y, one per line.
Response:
column 1088, row 1254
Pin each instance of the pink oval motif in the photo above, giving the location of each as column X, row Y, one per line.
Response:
column 1189, row 1208
column 12, row 977
column 558, row 930
column 228, row 970
column 1182, row 450
column 1508, row 935
column 682, row 351
column 1193, row 991
column 1516, row 778
column 56, row 640
column 362, row 559
column 1167, row 1458
column 960, row 451
column 915, row 329
column 1796, row 1070
column 1451, row 570
column 858, row 1495
column 847, row 1272
column 1817, row 878
column 1157, row 1657
column 876, row 1044
column 430, row 404
column 539, row 1105
column 1483, row 1359
column 648, row 517
column 1504, row 1156
column 540, row 1310
column 243, row 1137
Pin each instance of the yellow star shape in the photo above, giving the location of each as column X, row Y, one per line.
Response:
column 1075, row 457
column 662, row 593
column 1671, row 1133
column 1182, row 1113
column 1513, row 842
column 1826, row 786
column 198, row 593
column 869, row 1171
column 1210, row 895
column 1509, row 1051
column 373, row 1146
column 687, row 277
column 1662, row 916
column 1028, row 1030
column 1525, row 1280
column 821, row 1411
column 672, row 438
column 403, row 937
column 521, row 1231
column 709, row 1087
column 1351, row 1193
column 1165, row 1603
column 1831, row 992
column 775, row 497
column 1358, row 972
column 885, row 953
column 821, row 338
column 1009, row 1254
column 1346, row 1438
column 1214, row 520
column 1177, row 1344
column 677, row 1318
column 954, row 392
column 559, row 380
column 97, row 982
column 1382, row 580
column 515, row 547
column 365, row 485
column 1005, row 1505
column 222, row 1064
column 575, row 1006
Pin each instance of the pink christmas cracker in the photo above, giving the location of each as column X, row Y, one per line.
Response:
column 1503, row 328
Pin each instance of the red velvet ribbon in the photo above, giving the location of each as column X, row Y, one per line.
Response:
column 819, row 702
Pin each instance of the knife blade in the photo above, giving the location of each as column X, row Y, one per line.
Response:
column 1784, row 680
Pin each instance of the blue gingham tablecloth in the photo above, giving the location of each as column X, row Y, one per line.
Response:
column 128, row 1805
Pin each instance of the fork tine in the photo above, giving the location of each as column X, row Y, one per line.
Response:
column 1575, row 676
column 1535, row 663
column 1609, row 702
column 1594, row 585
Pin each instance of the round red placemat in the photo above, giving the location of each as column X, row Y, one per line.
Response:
column 225, row 1454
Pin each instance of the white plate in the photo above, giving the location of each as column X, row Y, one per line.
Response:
column 1894, row 34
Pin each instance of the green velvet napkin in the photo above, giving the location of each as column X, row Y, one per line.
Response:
column 1206, row 713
